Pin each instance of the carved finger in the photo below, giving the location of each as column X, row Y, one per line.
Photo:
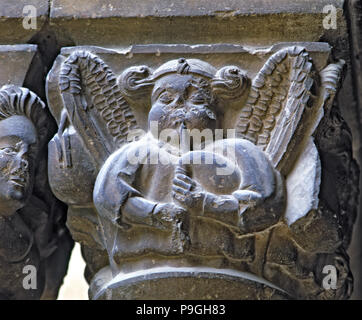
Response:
column 182, row 184
column 185, row 179
column 180, row 170
column 179, row 190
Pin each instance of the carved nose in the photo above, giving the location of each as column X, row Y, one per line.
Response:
column 179, row 101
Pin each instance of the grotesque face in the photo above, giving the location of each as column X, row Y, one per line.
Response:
column 17, row 135
column 182, row 100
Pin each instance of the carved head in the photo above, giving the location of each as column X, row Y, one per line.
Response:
column 19, row 142
column 184, row 92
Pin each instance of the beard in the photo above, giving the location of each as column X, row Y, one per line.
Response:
column 195, row 118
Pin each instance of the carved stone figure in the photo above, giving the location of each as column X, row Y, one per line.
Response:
column 30, row 217
column 197, row 205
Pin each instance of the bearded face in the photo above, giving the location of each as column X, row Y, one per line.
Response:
column 182, row 100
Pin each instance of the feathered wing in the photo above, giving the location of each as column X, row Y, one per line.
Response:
column 94, row 104
column 279, row 95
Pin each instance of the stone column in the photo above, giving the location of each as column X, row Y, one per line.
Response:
column 130, row 88
column 273, row 72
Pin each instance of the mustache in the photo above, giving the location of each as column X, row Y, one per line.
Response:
column 179, row 116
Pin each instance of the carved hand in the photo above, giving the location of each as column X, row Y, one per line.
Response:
column 187, row 191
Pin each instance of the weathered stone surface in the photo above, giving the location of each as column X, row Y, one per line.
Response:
column 31, row 219
column 148, row 215
column 15, row 62
column 12, row 14
column 185, row 8
column 33, row 229
column 320, row 210
column 118, row 23
column 302, row 195
column 352, row 114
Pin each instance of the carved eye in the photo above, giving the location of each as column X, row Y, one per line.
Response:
column 199, row 98
column 8, row 150
column 165, row 98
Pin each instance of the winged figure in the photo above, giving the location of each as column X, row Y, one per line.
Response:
column 186, row 187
